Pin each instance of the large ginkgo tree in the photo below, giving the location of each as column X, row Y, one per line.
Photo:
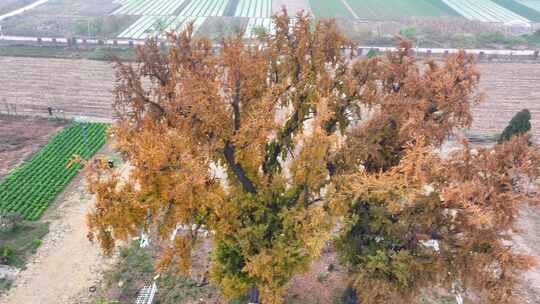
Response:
column 278, row 145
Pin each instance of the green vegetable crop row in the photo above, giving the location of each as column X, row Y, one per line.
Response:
column 30, row 188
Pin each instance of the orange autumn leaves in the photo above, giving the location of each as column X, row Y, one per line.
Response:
column 270, row 146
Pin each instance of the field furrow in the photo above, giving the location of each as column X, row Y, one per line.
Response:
column 485, row 11
column 534, row 4
column 524, row 8
column 510, row 87
column 204, row 8
column 149, row 7
column 396, row 9
column 254, row 9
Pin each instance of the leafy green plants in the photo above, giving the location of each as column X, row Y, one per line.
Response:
column 30, row 188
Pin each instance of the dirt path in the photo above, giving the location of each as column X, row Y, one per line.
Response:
column 528, row 242
column 67, row 264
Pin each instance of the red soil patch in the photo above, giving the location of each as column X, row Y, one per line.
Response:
column 21, row 137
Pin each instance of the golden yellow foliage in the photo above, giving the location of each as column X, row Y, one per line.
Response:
column 265, row 145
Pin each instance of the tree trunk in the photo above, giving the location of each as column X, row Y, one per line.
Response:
column 253, row 295
column 349, row 296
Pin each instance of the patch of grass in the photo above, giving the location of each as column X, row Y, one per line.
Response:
column 135, row 269
column 5, row 285
column 439, row 300
column 175, row 288
column 132, row 271
column 103, row 301
column 20, row 240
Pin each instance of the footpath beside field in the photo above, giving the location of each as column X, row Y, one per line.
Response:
column 67, row 264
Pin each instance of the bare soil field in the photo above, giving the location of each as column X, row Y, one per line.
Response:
column 83, row 88
column 75, row 87
column 509, row 88
column 20, row 137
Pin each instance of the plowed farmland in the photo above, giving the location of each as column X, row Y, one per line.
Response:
column 72, row 87
column 83, row 88
column 509, row 87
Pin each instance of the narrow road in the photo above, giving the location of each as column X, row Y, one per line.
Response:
column 350, row 9
column 23, row 9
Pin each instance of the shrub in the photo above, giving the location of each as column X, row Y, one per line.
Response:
column 520, row 124
column 9, row 221
column 6, row 255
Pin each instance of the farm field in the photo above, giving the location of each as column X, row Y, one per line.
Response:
column 496, row 11
column 7, row 6
column 30, row 188
column 534, row 4
column 152, row 8
column 397, row 9
column 148, row 26
column 140, row 19
column 65, row 252
column 79, row 87
column 66, row 18
column 22, row 137
column 254, row 9
column 329, row 9
column 511, row 87
column 518, row 7
column 484, row 10
column 159, row 17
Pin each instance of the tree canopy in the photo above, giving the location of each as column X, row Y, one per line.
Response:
column 272, row 145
